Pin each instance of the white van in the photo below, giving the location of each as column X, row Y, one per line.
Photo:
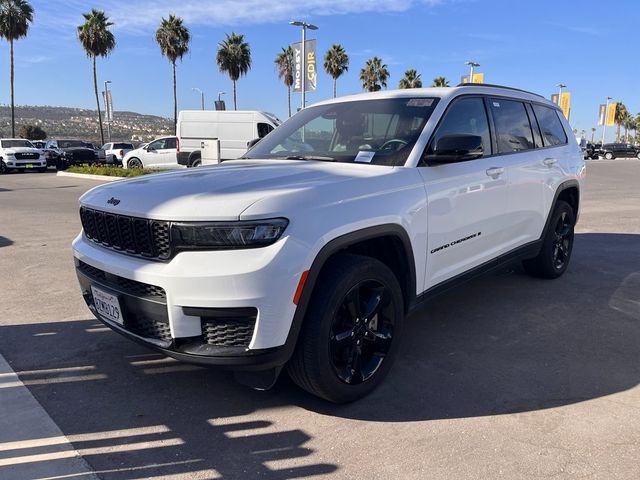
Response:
column 234, row 129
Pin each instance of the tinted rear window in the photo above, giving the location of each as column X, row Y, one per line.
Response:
column 123, row 145
column 552, row 131
column 513, row 130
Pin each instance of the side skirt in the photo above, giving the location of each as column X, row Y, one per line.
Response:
column 524, row 252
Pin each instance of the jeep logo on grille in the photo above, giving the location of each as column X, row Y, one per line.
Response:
column 113, row 201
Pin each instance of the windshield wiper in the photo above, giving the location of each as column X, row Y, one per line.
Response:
column 307, row 157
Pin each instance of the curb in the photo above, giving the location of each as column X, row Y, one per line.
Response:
column 103, row 178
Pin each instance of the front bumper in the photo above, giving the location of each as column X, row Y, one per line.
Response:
column 207, row 295
column 25, row 164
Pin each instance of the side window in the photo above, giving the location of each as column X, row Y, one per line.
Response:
column 170, row 143
column 466, row 116
column 552, row 131
column 157, row 145
column 537, row 136
column 513, row 130
column 264, row 129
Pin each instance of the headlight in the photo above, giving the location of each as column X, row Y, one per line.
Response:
column 227, row 235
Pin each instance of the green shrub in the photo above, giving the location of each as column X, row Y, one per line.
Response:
column 111, row 171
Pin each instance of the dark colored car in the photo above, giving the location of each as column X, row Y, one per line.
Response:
column 64, row 152
column 592, row 150
column 619, row 150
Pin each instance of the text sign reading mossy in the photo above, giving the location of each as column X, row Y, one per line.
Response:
column 309, row 77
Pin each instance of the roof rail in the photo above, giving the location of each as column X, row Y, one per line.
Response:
column 497, row 86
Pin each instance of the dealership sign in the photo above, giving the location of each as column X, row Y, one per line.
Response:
column 310, row 76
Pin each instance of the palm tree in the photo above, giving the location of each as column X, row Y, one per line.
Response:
column 285, row 64
column 440, row 82
column 411, row 79
column 97, row 41
column 234, row 57
column 173, row 38
column 15, row 17
column 336, row 62
column 620, row 117
column 374, row 75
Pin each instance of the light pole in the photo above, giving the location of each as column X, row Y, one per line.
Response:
column 221, row 93
column 472, row 65
column 196, row 89
column 106, row 108
column 560, row 86
column 604, row 121
column 304, row 26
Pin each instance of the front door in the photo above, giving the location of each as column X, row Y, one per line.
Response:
column 467, row 200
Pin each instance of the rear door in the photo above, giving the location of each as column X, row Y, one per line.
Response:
column 167, row 157
column 519, row 141
column 466, row 201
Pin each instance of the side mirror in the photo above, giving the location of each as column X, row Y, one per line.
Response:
column 456, row 148
column 252, row 142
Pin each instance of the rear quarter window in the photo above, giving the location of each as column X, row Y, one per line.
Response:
column 552, row 131
column 513, row 130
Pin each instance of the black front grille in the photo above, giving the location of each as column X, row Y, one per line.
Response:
column 228, row 332
column 130, row 287
column 27, row 156
column 147, row 328
column 136, row 236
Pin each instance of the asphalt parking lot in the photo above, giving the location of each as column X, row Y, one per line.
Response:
column 507, row 377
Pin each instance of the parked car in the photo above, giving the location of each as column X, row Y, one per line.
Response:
column 161, row 153
column 64, row 153
column 619, row 150
column 114, row 152
column 19, row 154
column 234, row 129
column 308, row 252
column 592, row 150
column 38, row 144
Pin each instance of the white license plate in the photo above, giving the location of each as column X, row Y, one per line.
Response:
column 107, row 305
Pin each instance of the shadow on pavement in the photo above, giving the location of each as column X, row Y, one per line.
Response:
column 5, row 242
column 506, row 343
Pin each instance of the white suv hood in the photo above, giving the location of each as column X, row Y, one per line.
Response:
column 14, row 150
column 220, row 192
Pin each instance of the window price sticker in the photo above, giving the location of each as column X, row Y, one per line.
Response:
column 364, row 157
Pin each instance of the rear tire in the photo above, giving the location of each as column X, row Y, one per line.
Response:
column 554, row 256
column 638, row 156
column 196, row 163
column 351, row 330
column 134, row 163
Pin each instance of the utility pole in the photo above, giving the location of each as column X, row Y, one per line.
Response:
column 106, row 108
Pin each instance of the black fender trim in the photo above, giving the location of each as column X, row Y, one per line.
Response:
column 332, row 247
column 561, row 188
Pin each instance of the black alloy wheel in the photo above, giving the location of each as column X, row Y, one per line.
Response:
column 562, row 242
column 361, row 332
column 134, row 163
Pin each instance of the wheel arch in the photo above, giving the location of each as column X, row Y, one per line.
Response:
column 193, row 156
column 399, row 258
column 569, row 192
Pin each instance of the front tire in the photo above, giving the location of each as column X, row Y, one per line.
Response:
column 554, row 256
column 638, row 156
column 608, row 156
column 351, row 330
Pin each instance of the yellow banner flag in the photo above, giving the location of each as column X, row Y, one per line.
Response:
column 478, row 78
column 611, row 114
column 565, row 103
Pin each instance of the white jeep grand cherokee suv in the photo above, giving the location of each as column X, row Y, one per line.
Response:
column 308, row 252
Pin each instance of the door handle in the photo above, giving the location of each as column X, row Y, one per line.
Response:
column 495, row 172
column 550, row 161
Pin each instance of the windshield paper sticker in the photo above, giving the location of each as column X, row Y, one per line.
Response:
column 364, row 157
column 420, row 102
column 496, row 104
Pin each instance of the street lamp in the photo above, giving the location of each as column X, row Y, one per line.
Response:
column 472, row 65
column 305, row 26
column 196, row 89
column 560, row 86
column 604, row 120
column 106, row 107
column 221, row 93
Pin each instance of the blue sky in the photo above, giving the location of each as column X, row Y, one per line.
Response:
column 588, row 45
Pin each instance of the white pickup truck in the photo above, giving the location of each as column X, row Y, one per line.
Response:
column 308, row 252
column 20, row 155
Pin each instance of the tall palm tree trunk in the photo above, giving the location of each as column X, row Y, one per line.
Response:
column 334, row 87
column 175, row 101
column 13, row 115
column 289, row 98
column 235, row 105
column 95, row 88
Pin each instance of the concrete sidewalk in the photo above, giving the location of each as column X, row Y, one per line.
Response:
column 31, row 444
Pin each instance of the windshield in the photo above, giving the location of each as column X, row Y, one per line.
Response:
column 379, row 132
column 16, row 143
column 70, row 143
